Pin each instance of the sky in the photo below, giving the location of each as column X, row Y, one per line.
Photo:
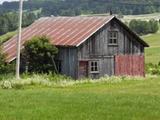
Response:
column 1, row 1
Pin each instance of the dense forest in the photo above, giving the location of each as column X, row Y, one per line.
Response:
column 77, row 7
column 8, row 21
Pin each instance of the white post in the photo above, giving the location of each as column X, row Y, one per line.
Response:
column 19, row 40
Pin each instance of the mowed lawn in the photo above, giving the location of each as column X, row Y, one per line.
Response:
column 127, row 100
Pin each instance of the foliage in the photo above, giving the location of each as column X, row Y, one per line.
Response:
column 38, row 55
column 77, row 7
column 6, row 85
column 153, row 69
column 144, row 27
column 9, row 21
column 5, row 67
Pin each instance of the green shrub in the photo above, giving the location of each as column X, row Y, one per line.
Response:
column 6, row 85
column 153, row 69
column 38, row 55
column 5, row 68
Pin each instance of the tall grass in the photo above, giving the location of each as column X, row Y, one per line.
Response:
column 53, row 80
column 125, row 100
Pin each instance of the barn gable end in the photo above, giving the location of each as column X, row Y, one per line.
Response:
column 97, row 48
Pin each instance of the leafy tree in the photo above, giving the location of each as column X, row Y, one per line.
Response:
column 144, row 27
column 38, row 55
column 5, row 68
column 154, row 27
column 3, row 25
column 9, row 21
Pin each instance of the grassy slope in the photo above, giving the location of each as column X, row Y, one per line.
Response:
column 6, row 36
column 153, row 52
column 142, row 17
column 128, row 100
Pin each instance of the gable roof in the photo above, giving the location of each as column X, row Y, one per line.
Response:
column 62, row 31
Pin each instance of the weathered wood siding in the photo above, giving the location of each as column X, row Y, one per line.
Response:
column 98, row 43
column 69, row 61
column 97, row 47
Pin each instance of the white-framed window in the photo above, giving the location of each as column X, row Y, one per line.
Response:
column 113, row 38
column 94, row 66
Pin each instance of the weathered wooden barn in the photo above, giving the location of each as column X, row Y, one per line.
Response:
column 88, row 46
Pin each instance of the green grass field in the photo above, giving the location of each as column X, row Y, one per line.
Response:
column 126, row 100
column 147, row 17
column 153, row 52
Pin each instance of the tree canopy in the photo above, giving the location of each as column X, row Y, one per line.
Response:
column 38, row 55
column 76, row 7
column 144, row 27
column 9, row 21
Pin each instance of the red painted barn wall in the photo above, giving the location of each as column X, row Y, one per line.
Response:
column 132, row 65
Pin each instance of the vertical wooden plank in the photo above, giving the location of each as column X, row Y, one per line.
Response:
column 129, row 65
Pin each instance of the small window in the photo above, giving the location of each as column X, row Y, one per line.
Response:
column 113, row 38
column 94, row 66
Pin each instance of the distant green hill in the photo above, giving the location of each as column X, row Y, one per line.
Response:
column 78, row 7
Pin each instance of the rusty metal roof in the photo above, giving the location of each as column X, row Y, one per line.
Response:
column 62, row 31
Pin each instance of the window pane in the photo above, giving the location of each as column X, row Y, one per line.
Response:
column 110, row 41
column 115, row 41
column 94, row 66
column 113, row 36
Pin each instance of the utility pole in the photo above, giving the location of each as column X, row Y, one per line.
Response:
column 19, row 40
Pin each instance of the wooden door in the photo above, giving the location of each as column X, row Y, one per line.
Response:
column 83, row 69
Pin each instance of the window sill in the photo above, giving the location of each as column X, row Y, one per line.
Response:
column 95, row 72
column 113, row 45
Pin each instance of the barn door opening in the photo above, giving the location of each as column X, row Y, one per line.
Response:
column 83, row 69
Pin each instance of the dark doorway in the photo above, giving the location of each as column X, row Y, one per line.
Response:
column 83, row 69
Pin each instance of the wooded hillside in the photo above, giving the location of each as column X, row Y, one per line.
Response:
column 76, row 7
